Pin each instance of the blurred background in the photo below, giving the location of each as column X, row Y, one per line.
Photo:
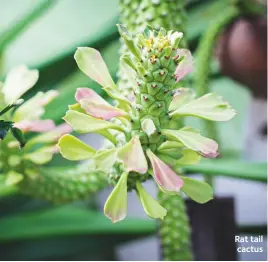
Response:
column 44, row 34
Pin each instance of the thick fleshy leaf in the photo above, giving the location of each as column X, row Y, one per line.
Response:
column 102, row 111
column 41, row 156
column 95, row 105
column 90, row 62
column 13, row 178
column 74, row 149
column 33, row 108
column 83, row 123
column 209, row 106
column 35, row 125
column 151, row 207
column 185, row 66
column 133, row 157
column 115, row 207
column 181, row 97
column 122, row 101
column 51, row 136
column 204, row 146
column 90, row 94
column 105, row 160
column 189, row 157
column 197, row 190
column 164, row 176
column 18, row 81
column 169, row 146
column 148, row 126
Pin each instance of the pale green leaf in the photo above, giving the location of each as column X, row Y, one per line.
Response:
column 83, row 123
column 197, row 190
column 115, row 207
column 151, row 207
column 74, row 149
column 209, row 106
column 90, row 61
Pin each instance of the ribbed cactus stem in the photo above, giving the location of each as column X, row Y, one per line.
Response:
column 136, row 15
column 174, row 229
column 62, row 186
column 204, row 55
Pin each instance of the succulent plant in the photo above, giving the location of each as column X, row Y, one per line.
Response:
column 144, row 139
column 21, row 161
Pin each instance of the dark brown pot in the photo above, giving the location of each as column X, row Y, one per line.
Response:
column 242, row 52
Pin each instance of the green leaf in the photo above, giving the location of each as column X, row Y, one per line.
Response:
column 18, row 81
column 104, row 160
column 6, row 189
column 90, row 61
column 115, row 207
column 205, row 146
column 170, row 145
column 189, row 157
column 133, row 157
column 210, row 107
column 181, row 97
column 151, row 207
column 67, row 220
column 197, row 190
column 41, row 156
column 74, row 149
column 83, row 123
column 13, row 178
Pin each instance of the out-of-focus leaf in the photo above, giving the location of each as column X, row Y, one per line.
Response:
column 231, row 168
column 68, row 220
column 4, row 188
column 68, row 87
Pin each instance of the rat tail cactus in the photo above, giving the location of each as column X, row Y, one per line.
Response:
column 144, row 140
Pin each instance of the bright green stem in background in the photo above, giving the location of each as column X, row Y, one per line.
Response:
column 204, row 55
column 136, row 15
column 19, row 26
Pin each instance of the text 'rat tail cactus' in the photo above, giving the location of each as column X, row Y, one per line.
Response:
column 148, row 144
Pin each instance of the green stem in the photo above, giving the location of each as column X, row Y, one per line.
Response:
column 11, row 33
column 135, row 15
column 204, row 55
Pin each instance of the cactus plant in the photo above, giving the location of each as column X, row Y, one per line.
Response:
column 148, row 144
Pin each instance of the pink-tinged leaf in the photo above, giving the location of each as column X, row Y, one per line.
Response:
column 115, row 207
column 185, row 66
column 133, row 157
column 35, row 126
column 51, row 136
column 96, row 106
column 89, row 94
column 193, row 140
column 90, row 62
column 164, row 176
column 102, row 111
